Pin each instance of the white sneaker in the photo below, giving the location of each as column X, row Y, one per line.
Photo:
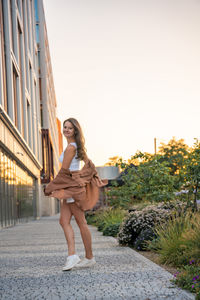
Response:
column 72, row 260
column 85, row 262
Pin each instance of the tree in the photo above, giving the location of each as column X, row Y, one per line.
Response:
column 114, row 161
column 174, row 153
column 140, row 157
column 192, row 170
column 150, row 180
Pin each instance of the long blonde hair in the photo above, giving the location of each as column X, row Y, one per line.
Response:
column 79, row 138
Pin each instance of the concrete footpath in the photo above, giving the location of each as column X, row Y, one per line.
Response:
column 32, row 255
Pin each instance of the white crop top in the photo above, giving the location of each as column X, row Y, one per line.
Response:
column 75, row 163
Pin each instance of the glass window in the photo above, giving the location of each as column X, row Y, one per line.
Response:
column 29, row 22
column 39, row 62
column 15, row 95
column 12, row 26
column 17, row 192
column 19, row 7
column 37, row 34
column 20, row 41
column 36, row 10
column 2, row 33
column 29, row 122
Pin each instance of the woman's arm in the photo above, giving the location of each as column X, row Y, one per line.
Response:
column 68, row 156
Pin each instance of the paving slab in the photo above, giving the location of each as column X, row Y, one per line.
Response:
column 32, row 255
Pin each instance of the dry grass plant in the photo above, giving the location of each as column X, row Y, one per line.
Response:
column 178, row 239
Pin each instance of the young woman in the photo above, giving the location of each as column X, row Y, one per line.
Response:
column 71, row 159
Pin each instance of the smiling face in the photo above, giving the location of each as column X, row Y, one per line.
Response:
column 68, row 130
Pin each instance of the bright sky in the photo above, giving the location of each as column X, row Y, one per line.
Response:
column 128, row 70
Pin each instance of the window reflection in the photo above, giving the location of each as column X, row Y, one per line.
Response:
column 17, row 192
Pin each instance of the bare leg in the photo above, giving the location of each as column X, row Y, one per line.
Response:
column 85, row 232
column 65, row 217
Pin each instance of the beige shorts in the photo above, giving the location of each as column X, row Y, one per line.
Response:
column 69, row 200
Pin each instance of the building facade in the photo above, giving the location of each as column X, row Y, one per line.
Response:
column 29, row 137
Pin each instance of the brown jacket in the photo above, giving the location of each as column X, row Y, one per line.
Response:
column 82, row 186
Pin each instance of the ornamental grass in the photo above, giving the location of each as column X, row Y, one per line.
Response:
column 178, row 240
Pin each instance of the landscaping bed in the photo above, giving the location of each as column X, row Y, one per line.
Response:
column 153, row 209
column 155, row 257
column 166, row 233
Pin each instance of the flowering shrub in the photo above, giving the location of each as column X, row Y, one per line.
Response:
column 177, row 205
column 189, row 278
column 138, row 225
column 143, row 237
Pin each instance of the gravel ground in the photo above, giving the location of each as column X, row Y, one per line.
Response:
column 32, row 255
column 155, row 258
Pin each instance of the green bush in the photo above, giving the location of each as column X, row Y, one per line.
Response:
column 120, row 196
column 107, row 220
column 90, row 217
column 112, row 229
column 96, row 217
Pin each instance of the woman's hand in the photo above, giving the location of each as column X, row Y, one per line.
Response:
column 59, row 194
